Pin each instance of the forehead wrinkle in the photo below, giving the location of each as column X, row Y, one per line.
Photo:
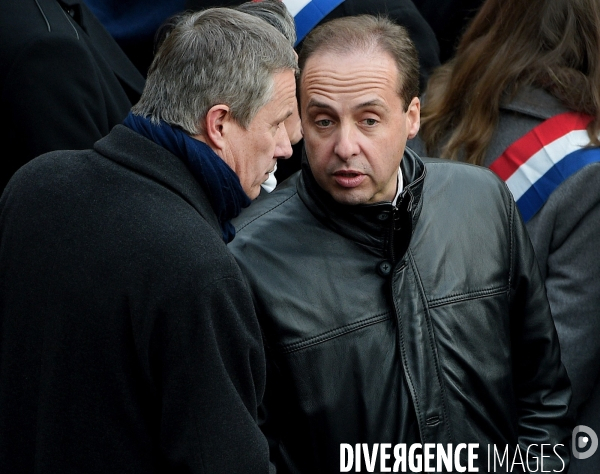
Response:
column 331, row 78
column 322, row 65
column 286, row 98
column 354, row 85
column 329, row 85
column 319, row 94
column 351, row 79
column 289, row 88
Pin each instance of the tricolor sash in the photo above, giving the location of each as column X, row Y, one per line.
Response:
column 308, row 13
column 540, row 161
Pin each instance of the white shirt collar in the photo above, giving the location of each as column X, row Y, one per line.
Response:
column 400, row 187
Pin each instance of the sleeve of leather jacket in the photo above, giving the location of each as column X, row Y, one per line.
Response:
column 542, row 386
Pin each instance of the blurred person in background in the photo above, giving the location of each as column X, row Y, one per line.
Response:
column 64, row 81
column 522, row 97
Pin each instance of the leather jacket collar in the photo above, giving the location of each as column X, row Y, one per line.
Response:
column 370, row 224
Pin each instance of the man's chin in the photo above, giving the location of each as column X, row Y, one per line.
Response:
column 349, row 197
column 253, row 192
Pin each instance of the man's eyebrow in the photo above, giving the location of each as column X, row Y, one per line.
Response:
column 283, row 117
column 362, row 105
column 317, row 104
column 371, row 103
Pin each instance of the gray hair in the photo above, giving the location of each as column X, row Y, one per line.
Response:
column 210, row 57
column 275, row 13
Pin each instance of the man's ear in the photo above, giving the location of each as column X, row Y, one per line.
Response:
column 215, row 125
column 413, row 117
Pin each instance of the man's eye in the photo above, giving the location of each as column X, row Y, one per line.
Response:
column 370, row 121
column 323, row 123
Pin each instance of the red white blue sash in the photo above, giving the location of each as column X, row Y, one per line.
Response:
column 308, row 13
column 536, row 164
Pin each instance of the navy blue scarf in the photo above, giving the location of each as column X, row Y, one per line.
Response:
column 222, row 185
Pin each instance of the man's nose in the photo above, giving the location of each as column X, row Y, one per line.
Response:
column 283, row 146
column 346, row 143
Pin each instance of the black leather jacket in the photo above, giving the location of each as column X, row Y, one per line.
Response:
column 425, row 322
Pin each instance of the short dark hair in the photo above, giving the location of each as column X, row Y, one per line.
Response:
column 371, row 34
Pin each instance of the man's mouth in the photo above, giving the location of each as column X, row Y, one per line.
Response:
column 273, row 169
column 348, row 178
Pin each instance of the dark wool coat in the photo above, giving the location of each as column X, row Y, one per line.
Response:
column 64, row 81
column 128, row 339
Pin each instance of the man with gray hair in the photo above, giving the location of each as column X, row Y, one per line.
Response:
column 128, row 338
column 276, row 14
column 405, row 319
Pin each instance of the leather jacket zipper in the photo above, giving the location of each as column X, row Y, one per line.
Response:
column 397, row 214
